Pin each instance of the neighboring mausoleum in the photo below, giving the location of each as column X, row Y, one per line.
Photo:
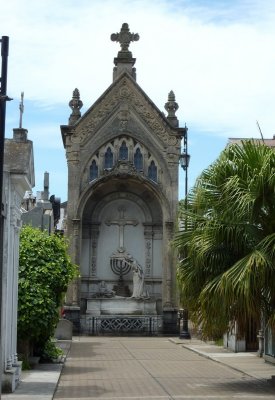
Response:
column 18, row 177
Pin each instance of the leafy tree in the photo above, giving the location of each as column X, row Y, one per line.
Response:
column 45, row 271
column 227, row 267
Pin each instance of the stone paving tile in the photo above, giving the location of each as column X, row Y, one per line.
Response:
column 103, row 370
column 144, row 343
column 191, row 369
column 144, row 388
column 99, row 353
column 107, row 342
column 173, row 354
column 152, row 369
column 244, row 387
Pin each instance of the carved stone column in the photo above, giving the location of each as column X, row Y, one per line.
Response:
column 148, row 236
column 94, row 243
column 168, row 265
column 75, row 293
column 73, row 223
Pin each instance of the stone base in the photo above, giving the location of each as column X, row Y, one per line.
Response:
column 64, row 330
column 121, row 306
column 72, row 313
column 11, row 378
column 231, row 342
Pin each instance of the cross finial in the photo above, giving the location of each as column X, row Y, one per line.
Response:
column 124, row 37
column 21, row 108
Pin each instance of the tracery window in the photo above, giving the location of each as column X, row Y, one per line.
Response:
column 153, row 171
column 138, row 159
column 123, row 151
column 109, row 158
column 93, row 171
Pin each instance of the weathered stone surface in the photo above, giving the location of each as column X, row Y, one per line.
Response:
column 123, row 153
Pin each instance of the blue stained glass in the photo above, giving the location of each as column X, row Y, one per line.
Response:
column 108, row 158
column 153, row 171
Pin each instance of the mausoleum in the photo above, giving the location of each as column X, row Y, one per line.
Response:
column 123, row 164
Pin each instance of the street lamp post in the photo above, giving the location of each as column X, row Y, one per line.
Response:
column 184, row 162
column 3, row 98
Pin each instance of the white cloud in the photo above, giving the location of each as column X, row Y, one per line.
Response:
column 216, row 55
column 220, row 67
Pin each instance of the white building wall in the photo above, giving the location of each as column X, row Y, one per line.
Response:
column 14, row 189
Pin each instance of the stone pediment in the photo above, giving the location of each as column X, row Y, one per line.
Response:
column 124, row 90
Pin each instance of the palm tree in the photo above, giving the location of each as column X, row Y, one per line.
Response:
column 227, row 249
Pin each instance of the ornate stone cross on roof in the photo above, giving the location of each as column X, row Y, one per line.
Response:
column 124, row 37
column 121, row 222
column 21, row 109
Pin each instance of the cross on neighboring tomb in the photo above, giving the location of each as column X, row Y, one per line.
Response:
column 21, row 109
column 121, row 222
column 124, row 37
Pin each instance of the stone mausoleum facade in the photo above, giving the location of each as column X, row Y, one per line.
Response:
column 123, row 165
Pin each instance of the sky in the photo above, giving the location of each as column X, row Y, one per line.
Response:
column 217, row 56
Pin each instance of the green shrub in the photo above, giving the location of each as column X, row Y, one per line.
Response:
column 50, row 351
column 45, row 271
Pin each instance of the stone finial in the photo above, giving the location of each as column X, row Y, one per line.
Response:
column 171, row 107
column 21, row 109
column 124, row 37
column 20, row 134
column 75, row 104
column 124, row 62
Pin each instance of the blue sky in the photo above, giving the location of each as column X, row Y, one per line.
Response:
column 217, row 56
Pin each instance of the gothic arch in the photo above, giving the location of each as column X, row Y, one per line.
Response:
column 114, row 146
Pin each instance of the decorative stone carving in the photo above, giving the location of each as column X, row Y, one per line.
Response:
column 123, row 169
column 171, row 106
column 148, row 257
column 103, row 291
column 75, row 104
column 120, row 265
column 148, row 235
column 125, row 89
column 121, row 222
column 124, row 37
column 94, row 240
column 138, row 281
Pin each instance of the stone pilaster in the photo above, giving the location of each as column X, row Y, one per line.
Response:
column 168, row 266
column 94, row 242
column 148, row 236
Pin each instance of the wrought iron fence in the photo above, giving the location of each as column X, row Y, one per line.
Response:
column 122, row 325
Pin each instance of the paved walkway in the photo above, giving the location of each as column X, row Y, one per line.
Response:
column 112, row 368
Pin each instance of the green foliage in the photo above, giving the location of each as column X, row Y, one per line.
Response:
column 45, row 271
column 227, row 267
column 50, row 351
column 25, row 362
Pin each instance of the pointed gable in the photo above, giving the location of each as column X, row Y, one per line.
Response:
column 123, row 98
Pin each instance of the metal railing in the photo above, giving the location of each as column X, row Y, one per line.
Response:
column 122, row 325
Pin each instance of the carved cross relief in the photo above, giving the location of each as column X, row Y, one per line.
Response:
column 121, row 222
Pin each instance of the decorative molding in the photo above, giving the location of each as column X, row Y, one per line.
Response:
column 148, row 257
column 148, row 235
column 122, row 169
column 124, row 91
column 94, row 243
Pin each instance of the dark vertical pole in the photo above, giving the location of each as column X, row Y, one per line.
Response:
column 3, row 99
column 186, row 167
column 184, row 334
